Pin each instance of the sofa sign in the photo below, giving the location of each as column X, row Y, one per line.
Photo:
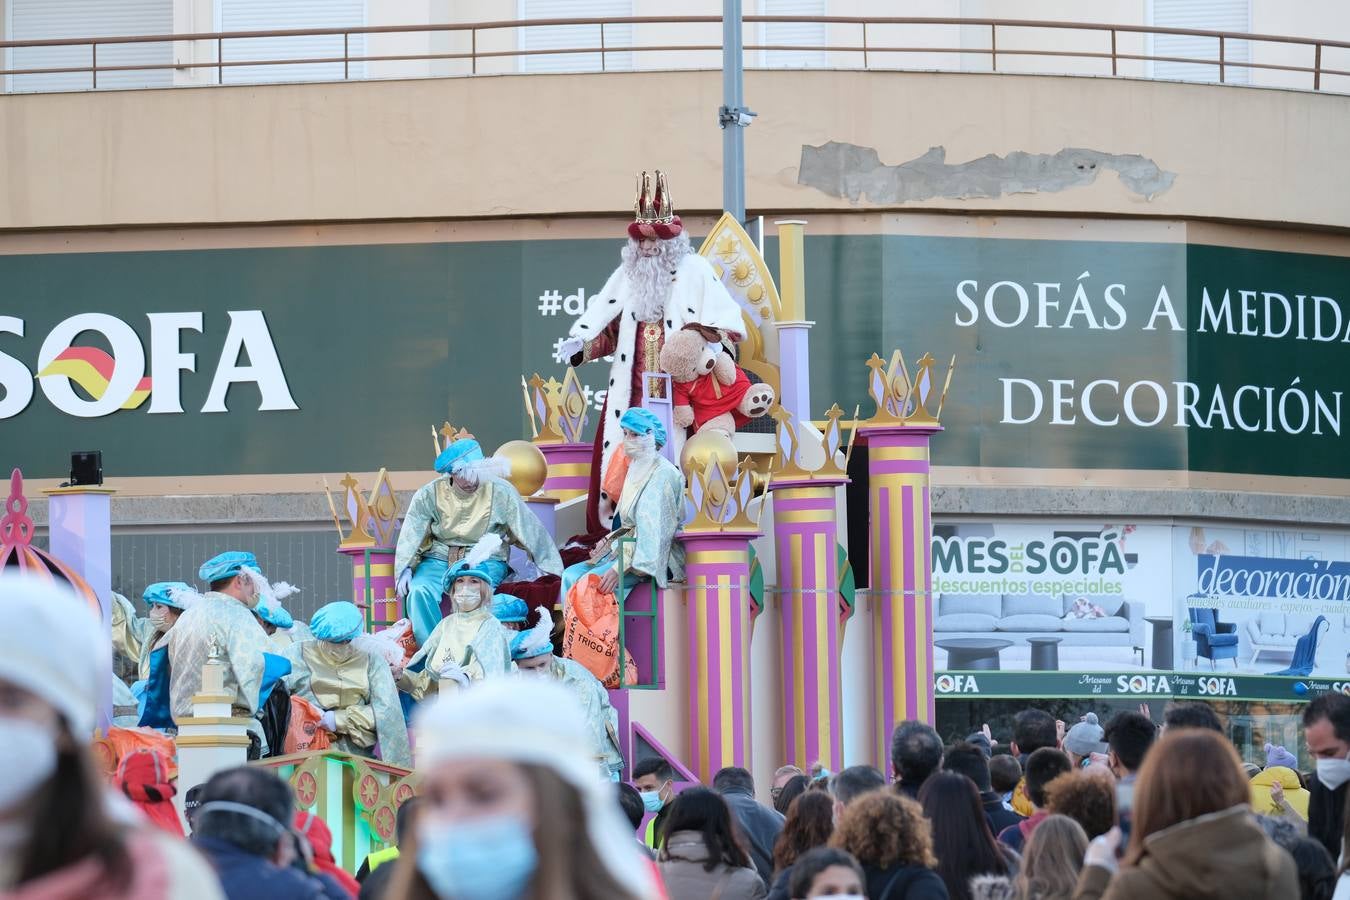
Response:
column 125, row 378
column 1096, row 555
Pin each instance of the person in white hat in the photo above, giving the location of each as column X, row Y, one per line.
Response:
column 512, row 804
column 59, row 837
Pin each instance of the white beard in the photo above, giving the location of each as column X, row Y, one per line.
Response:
column 650, row 276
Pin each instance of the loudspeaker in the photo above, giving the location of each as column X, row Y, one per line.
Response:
column 86, row 468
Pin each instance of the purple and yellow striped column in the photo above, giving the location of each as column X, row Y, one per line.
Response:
column 717, row 597
column 901, row 577
column 806, row 533
column 569, row 469
column 373, row 587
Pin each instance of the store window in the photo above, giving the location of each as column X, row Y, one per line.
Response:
column 29, row 20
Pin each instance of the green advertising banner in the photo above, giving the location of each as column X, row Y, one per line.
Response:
column 1144, row 685
column 1071, row 354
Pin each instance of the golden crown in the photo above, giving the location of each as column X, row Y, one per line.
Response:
column 653, row 207
column 372, row 520
column 803, row 453
column 557, row 410
column 902, row 400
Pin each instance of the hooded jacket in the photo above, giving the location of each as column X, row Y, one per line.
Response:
column 1220, row 855
column 682, row 870
column 1294, row 792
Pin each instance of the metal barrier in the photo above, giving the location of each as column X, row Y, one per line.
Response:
column 859, row 53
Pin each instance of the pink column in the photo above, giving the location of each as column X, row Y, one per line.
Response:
column 717, row 597
column 79, row 526
column 901, row 577
column 806, row 535
column 569, row 469
column 373, row 584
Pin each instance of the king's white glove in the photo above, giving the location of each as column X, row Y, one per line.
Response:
column 404, row 583
column 328, row 721
column 569, row 348
column 453, row 671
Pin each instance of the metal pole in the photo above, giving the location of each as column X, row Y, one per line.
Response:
column 733, row 116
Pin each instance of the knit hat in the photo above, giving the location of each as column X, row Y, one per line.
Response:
column 1085, row 737
column 537, row 722
column 1278, row 756
column 52, row 646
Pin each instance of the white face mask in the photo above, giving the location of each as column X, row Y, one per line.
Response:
column 467, row 597
column 30, row 759
column 1333, row 772
column 159, row 617
column 632, row 447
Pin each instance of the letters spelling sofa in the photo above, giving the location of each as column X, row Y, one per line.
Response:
column 1016, row 617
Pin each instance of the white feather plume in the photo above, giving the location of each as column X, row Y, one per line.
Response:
column 492, row 467
column 281, row 590
column 380, row 646
column 539, row 635
column 184, row 597
column 483, row 549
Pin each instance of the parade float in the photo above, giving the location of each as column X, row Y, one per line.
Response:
column 763, row 655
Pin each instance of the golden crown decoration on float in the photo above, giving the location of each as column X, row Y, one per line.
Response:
column 797, row 460
column 717, row 500
column 901, row 400
column 557, row 409
column 372, row 520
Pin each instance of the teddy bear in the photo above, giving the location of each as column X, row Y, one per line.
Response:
column 711, row 391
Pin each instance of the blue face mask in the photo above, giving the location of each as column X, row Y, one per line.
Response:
column 483, row 859
column 651, row 801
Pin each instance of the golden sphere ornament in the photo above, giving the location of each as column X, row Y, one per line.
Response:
column 529, row 468
column 704, row 447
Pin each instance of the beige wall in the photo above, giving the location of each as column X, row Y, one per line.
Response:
column 545, row 145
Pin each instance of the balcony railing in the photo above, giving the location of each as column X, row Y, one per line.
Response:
column 671, row 42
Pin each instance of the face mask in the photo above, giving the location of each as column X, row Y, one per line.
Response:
column 159, row 617
column 1333, row 772
column 484, row 859
column 468, row 598
column 30, row 759
column 651, row 801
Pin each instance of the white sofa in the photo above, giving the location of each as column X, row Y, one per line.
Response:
column 1273, row 632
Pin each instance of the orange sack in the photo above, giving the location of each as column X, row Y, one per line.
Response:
column 591, row 632
column 304, row 734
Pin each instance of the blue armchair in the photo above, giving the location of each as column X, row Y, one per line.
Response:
column 1213, row 639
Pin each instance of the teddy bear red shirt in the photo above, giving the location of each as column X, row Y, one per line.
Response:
column 702, row 395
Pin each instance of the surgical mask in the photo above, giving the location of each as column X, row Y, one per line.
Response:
column 30, row 759
column 159, row 617
column 633, row 447
column 1333, row 772
column 483, row 859
column 468, row 597
column 651, row 801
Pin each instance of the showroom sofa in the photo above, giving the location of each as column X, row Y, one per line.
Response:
column 1016, row 617
column 1273, row 632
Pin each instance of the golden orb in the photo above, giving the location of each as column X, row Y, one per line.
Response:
column 529, row 469
column 704, row 447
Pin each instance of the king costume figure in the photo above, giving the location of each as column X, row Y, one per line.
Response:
column 448, row 516
column 660, row 287
column 345, row 674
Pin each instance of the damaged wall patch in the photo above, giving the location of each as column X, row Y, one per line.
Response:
column 847, row 170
